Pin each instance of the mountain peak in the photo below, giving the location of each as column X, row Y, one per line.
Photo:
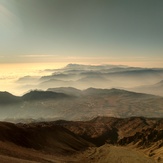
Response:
column 39, row 95
column 8, row 98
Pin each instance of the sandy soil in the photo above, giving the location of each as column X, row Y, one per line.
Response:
column 116, row 154
column 104, row 154
column 52, row 143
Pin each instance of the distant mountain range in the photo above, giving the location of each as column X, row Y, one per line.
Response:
column 66, row 90
column 8, row 98
column 156, row 89
column 74, row 104
column 85, row 113
column 97, row 76
column 43, row 95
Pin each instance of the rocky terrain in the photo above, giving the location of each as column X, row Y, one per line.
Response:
column 100, row 140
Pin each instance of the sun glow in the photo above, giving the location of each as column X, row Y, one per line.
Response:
column 10, row 73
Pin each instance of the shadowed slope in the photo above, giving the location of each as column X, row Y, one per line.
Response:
column 8, row 98
column 43, row 95
column 137, row 138
column 49, row 138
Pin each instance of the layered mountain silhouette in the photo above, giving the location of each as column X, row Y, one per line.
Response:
column 66, row 90
column 43, row 95
column 74, row 104
column 97, row 76
column 84, row 113
column 8, row 98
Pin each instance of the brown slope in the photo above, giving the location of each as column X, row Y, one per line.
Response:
column 54, row 138
column 35, row 141
column 144, row 133
column 115, row 154
column 124, row 127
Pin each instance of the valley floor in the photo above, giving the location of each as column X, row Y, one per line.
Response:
column 114, row 154
column 104, row 154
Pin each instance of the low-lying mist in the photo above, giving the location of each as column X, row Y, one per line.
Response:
column 81, row 92
column 100, row 76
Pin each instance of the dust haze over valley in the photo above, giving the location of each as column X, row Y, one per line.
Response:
column 112, row 90
column 79, row 76
column 91, row 113
column 81, row 81
column 47, row 117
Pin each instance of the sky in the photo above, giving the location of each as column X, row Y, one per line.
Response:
column 126, row 32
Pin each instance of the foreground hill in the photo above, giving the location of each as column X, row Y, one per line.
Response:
column 37, row 142
column 99, row 140
column 51, row 138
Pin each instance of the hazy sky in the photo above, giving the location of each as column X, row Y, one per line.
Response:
column 88, row 31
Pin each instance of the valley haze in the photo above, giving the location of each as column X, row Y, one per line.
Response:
column 73, row 91
column 92, row 113
column 80, row 76
column 81, row 81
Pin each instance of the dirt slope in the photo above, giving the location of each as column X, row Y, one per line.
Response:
column 103, row 139
column 116, row 154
